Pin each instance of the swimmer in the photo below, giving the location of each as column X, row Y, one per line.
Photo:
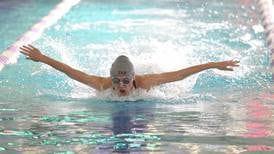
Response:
column 123, row 79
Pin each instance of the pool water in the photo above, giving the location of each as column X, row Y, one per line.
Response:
column 44, row 111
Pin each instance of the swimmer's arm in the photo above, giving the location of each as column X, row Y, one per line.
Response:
column 96, row 82
column 150, row 80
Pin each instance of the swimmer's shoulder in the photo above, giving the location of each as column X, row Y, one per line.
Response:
column 100, row 83
column 142, row 81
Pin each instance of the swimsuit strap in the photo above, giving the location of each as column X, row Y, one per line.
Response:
column 134, row 84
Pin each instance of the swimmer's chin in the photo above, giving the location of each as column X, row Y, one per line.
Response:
column 113, row 95
column 123, row 93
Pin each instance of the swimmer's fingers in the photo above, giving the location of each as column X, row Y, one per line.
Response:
column 227, row 65
column 31, row 57
column 230, row 64
column 31, row 53
column 26, row 48
column 225, row 68
column 30, row 49
column 33, row 48
column 234, row 63
column 25, row 53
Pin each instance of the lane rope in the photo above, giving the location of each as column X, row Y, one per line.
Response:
column 11, row 54
column 267, row 13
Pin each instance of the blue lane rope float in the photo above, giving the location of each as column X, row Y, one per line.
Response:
column 11, row 54
column 267, row 13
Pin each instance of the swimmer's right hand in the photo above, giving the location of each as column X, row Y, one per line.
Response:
column 31, row 53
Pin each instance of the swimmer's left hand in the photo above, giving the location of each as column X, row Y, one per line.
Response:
column 226, row 65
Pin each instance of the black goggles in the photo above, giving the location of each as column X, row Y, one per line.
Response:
column 124, row 81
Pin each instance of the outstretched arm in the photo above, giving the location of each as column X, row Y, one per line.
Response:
column 150, row 80
column 99, row 83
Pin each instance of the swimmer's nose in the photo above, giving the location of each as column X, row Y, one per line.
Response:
column 121, row 84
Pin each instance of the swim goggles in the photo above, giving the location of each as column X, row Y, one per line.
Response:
column 124, row 80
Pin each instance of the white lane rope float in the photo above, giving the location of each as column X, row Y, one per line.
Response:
column 11, row 54
column 267, row 13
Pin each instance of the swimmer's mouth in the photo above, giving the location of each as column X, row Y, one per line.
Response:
column 122, row 91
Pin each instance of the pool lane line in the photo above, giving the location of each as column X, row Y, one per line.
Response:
column 11, row 54
column 267, row 13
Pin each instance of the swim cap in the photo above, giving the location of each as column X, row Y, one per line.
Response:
column 122, row 66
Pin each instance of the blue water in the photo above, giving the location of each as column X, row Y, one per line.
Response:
column 44, row 111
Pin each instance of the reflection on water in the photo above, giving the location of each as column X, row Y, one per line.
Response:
column 93, row 126
column 119, row 127
column 259, row 122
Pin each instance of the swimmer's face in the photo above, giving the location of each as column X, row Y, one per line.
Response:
column 122, row 85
